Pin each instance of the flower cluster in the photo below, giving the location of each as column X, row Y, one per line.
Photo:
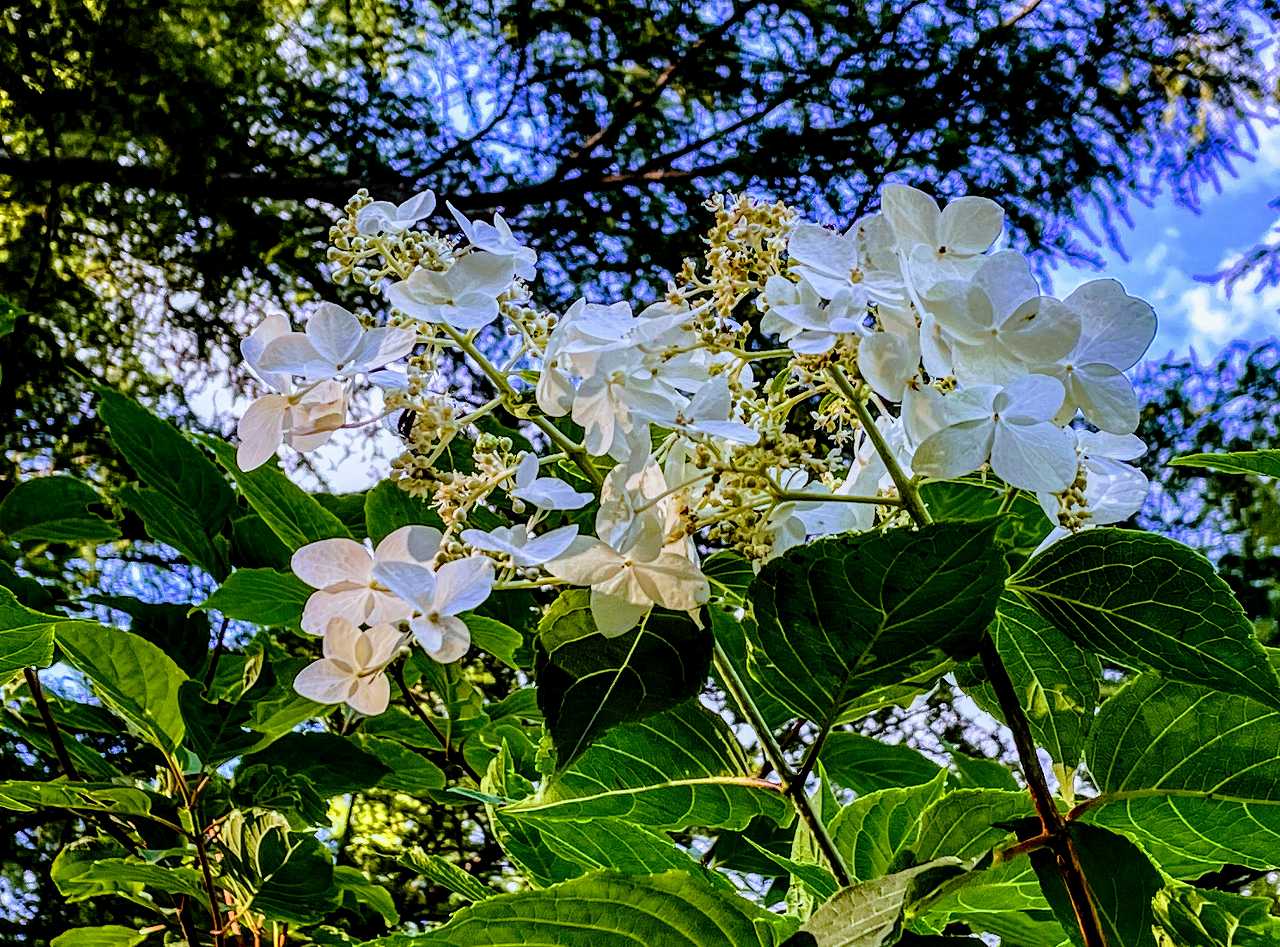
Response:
column 793, row 382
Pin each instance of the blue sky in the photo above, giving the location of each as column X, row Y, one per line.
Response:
column 1170, row 245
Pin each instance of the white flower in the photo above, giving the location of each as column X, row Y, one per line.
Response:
column 351, row 670
column 862, row 480
column 498, row 240
column 438, row 597
column 546, row 493
column 616, row 401
column 708, row 413
column 524, row 549
column 1116, row 329
column 889, row 360
column 939, row 244
column 631, row 575
column 334, row 344
column 793, row 312
column 999, row 323
column 343, row 573
column 1009, row 425
column 465, row 296
column 1113, row 489
column 385, row 217
column 304, row 421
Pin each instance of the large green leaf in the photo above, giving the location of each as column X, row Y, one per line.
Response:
column 172, row 524
column 1263, row 462
column 294, row 515
column 109, row 935
column 446, row 874
column 871, row 913
column 1023, row 524
column 1149, row 603
column 865, row 764
column 133, row 677
column 843, row 615
column 56, row 508
column 28, row 796
column 588, row 682
column 1192, row 774
column 874, row 830
column 157, row 877
column 673, row 909
column 355, row 886
column 333, row 763
column 967, row 823
column 1121, row 880
column 297, row 881
column 165, row 460
column 729, row 631
column 679, row 768
column 26, row 636
column 1058, row 683
column 262, row 596
column 1207, row 918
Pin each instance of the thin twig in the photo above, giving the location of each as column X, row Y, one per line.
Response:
column 1053, row 828
column 218, row 648
column 55, row 735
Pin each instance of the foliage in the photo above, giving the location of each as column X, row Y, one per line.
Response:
column 665, row 744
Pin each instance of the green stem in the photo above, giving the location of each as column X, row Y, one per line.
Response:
column 511, row 398
column 907, row 488
column 793, row 787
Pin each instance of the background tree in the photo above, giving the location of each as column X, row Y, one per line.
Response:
column 167, row 170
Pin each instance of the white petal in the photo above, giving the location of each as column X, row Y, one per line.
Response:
column 1114, row 446
column 1116, row 328
column 1031, row 398
column 913, row 215
column 526, row 469
column 954, row 451
column 381, row 346
column 1116, row 496
column 371, row 696
column 587, row 561
column 555, row 392
column 673, row 582
column 482, row 272
column 1106, row 398
column 970, row 225
column 1007, row 280
column 548, row 546
column 295, row 354
column 324, row 682
column 1040, row 456
column 822, row 249
column 417, row 207
column 417, row 544
column 270, row 328
column 613, row 615
column 341, row 641
column 383, row 641
column 551, row 493
column 410, row 581
column 463, row 584
column 331, row 561
column 471, row 310
column 322, row 607
column 888, row 362
column 1041, row 330
column 428, row 633
column 454, row 640
column 734, row 431
column 261, row 431
column 334, row 332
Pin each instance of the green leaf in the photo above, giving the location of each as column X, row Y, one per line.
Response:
column 1263, row 462
column 816, row 878
column 967, row 823
column 498, row 639
column 28, row 796
column 109, row 935
column 1149, row 603
column 349, row 508
column 173, row 525
column 841, row 616
column 1208, row 918
column 165, row 460
column 1192, row 774
column 871, row 914
column 730, row 632
column 1023, row 524
column 360, row 889
column 1121, row 879
column 333, row 763
column 137, row 680
column 865, row 764
column 874, row 830
column 172, row 880
column 297, row 878
column 1058, row 683
column 675, row 769
column 26, row 636
column 56, row 509
column 406, row 770
column 588, row 682
column 294, row 515
column 447, row 875
column 387, row 508
column 980, row 772
column 673, row 909
column 261, row 596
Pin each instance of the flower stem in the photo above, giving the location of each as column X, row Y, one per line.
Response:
column 907, row 488
column 791, row 785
